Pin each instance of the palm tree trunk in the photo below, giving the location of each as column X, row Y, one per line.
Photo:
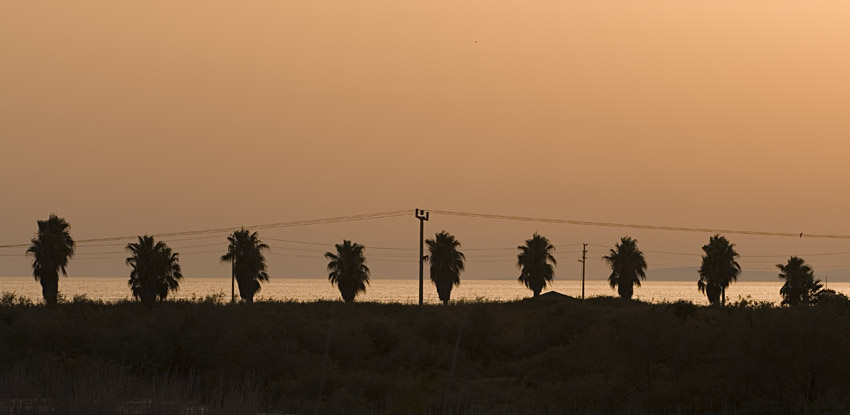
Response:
column 233, row 280
column 50, row 288
column 723, row 296
column 444, row 291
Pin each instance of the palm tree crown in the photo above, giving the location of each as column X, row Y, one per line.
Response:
column 719, row 269
column 245, row 252
column 628, row 266
column 347, row 269
column 155, row 269
column 536, row 263
column 51, row 249
column 446, row 263
column 800, row 286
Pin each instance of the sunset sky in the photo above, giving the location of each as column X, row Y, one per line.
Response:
column 159, row 116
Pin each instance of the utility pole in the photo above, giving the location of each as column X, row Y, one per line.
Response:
column 583, row 260
column 422, row 215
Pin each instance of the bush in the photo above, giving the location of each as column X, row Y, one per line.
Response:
column 8, row 299
column 602, row 355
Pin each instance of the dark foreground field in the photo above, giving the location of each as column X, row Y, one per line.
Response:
column 545, row 356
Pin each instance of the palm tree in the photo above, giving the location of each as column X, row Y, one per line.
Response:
column 446, row 263
column 156, row 270
column 245, row 253
column 800, row 286
column 719, row 269
column 51, row 249
column 628, row 266
column 347, row 269
column 533, row 261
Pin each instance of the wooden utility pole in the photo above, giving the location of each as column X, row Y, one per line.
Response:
column 422, row 215
column 583, row 260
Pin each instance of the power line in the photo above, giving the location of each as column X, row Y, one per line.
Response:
column 216, row 233
column 373, row 258
column 297, row 255
column 637, row 226
column 799, row 255
column 404, row 249
column 308, row 222
column 120, row 243
column 400, row 249
column 174, row 248
column 81, row 255
column 563, row 254
column 84, row 254
column 491, row 260
column 743, row 255
column 119, row 257
column 333, row 244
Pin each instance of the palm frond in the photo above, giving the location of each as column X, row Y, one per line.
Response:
column 536, row 263
column 347, row 269
column 628, row 266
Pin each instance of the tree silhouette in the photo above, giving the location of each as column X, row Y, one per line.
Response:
column 800, row 286
column 245, row 253
column 51, row 249
column 156, row 270
column 347, row 269
column 719, row 269
column 533, row 261
column 628, row 267
column 446, row 263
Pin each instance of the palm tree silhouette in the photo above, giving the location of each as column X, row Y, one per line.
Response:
column 245, row 252
column 719, row 269
column 446, row 263
column 51, row 249
column 628, row 267
column 533, row 261
column 156, row 270
column 800, row 286
column 347, row 269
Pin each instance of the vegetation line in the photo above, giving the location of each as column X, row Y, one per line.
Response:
column 156, row 270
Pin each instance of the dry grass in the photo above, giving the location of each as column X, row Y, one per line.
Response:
column 102, row 391
column 529, row 357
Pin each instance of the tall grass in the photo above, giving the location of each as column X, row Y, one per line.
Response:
column 102, row 390
column 601, row 355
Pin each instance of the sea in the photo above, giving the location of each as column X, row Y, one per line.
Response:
column 398, row 290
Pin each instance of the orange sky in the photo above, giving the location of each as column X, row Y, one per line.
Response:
column 160, row 116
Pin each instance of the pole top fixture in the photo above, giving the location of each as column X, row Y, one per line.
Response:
column 421, row 214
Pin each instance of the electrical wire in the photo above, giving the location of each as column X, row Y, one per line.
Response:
column 308, row 222
column 218, row 232
column 636, row 226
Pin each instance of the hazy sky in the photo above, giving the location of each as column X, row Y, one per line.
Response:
column 143, row 117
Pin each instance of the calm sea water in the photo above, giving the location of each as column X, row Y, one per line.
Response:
column 397, row 290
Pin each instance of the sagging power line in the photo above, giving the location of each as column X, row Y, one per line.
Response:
column 221, row 232
column 321, row 221
column 637, row 226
